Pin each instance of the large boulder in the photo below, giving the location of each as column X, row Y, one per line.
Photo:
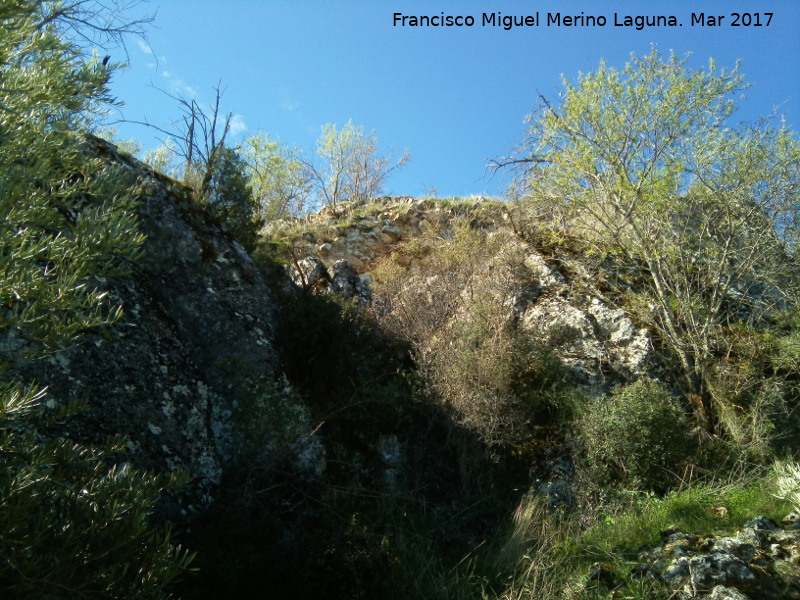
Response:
column 192, row 358
column 600, row 343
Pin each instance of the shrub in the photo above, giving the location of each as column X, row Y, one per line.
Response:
column 491, row 377
column 639, row 437
column 74, row 524
column 230, row 199
column 352, row 170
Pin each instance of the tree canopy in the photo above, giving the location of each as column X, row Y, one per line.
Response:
column 646, row 163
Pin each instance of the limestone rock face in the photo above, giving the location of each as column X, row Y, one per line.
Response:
column 758, row 561
column 363, row 239
column 348, row 283
column 310, row 273
column 343, row 280
column 599, row 343
column 193, row 350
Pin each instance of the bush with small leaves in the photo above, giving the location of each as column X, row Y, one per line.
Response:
column 230, row 199
column 637, row 437
column 75, row 522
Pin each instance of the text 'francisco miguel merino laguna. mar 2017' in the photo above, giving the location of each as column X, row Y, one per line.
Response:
column 558, row 19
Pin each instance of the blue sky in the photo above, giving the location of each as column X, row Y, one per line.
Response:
column 453, row 96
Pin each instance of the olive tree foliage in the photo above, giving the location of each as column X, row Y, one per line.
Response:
column 646, row 163
column 352, row 170
column 277, row 177
column 71, row 524
column 64, row 218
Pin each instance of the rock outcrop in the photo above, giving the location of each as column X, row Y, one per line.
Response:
column 759, row 562
column 342, row 279
column 598, row 342
column 192, row 354
column 363, row 239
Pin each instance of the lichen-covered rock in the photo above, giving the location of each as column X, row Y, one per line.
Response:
column 194, row 345
column 310, row 273
column 758, row 562
column 391, row 452
column 721, row 592
column 347, row 282
column 719, row 568
column 629, row 346
column 544, row 275
column 343, row 280
column 594, row 340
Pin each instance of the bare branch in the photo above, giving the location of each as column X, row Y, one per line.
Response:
column 97, row 23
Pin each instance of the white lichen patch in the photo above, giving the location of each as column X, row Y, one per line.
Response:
column 168, row 408
column 61, row 360
column 275, row 422
column 174, row 463
column 180, row 389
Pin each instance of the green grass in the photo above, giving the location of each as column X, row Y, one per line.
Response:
column 691, row 510
column 550, row 555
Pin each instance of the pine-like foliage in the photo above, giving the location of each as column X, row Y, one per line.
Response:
column 230, row 199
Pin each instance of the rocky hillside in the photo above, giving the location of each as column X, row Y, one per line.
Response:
column 589, row 392
column 383, row 387
column 480, row 302
column 556, row 297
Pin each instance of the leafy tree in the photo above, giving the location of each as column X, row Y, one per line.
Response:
column 161, row 158
column 72, row 525
column 645, row 163
column 230, row 198
column 352, row 168
column 277, row 177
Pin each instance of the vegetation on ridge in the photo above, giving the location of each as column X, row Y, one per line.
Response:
column 465, row 455
column 644, row 163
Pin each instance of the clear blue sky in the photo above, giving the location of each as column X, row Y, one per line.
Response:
column 453, row 96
